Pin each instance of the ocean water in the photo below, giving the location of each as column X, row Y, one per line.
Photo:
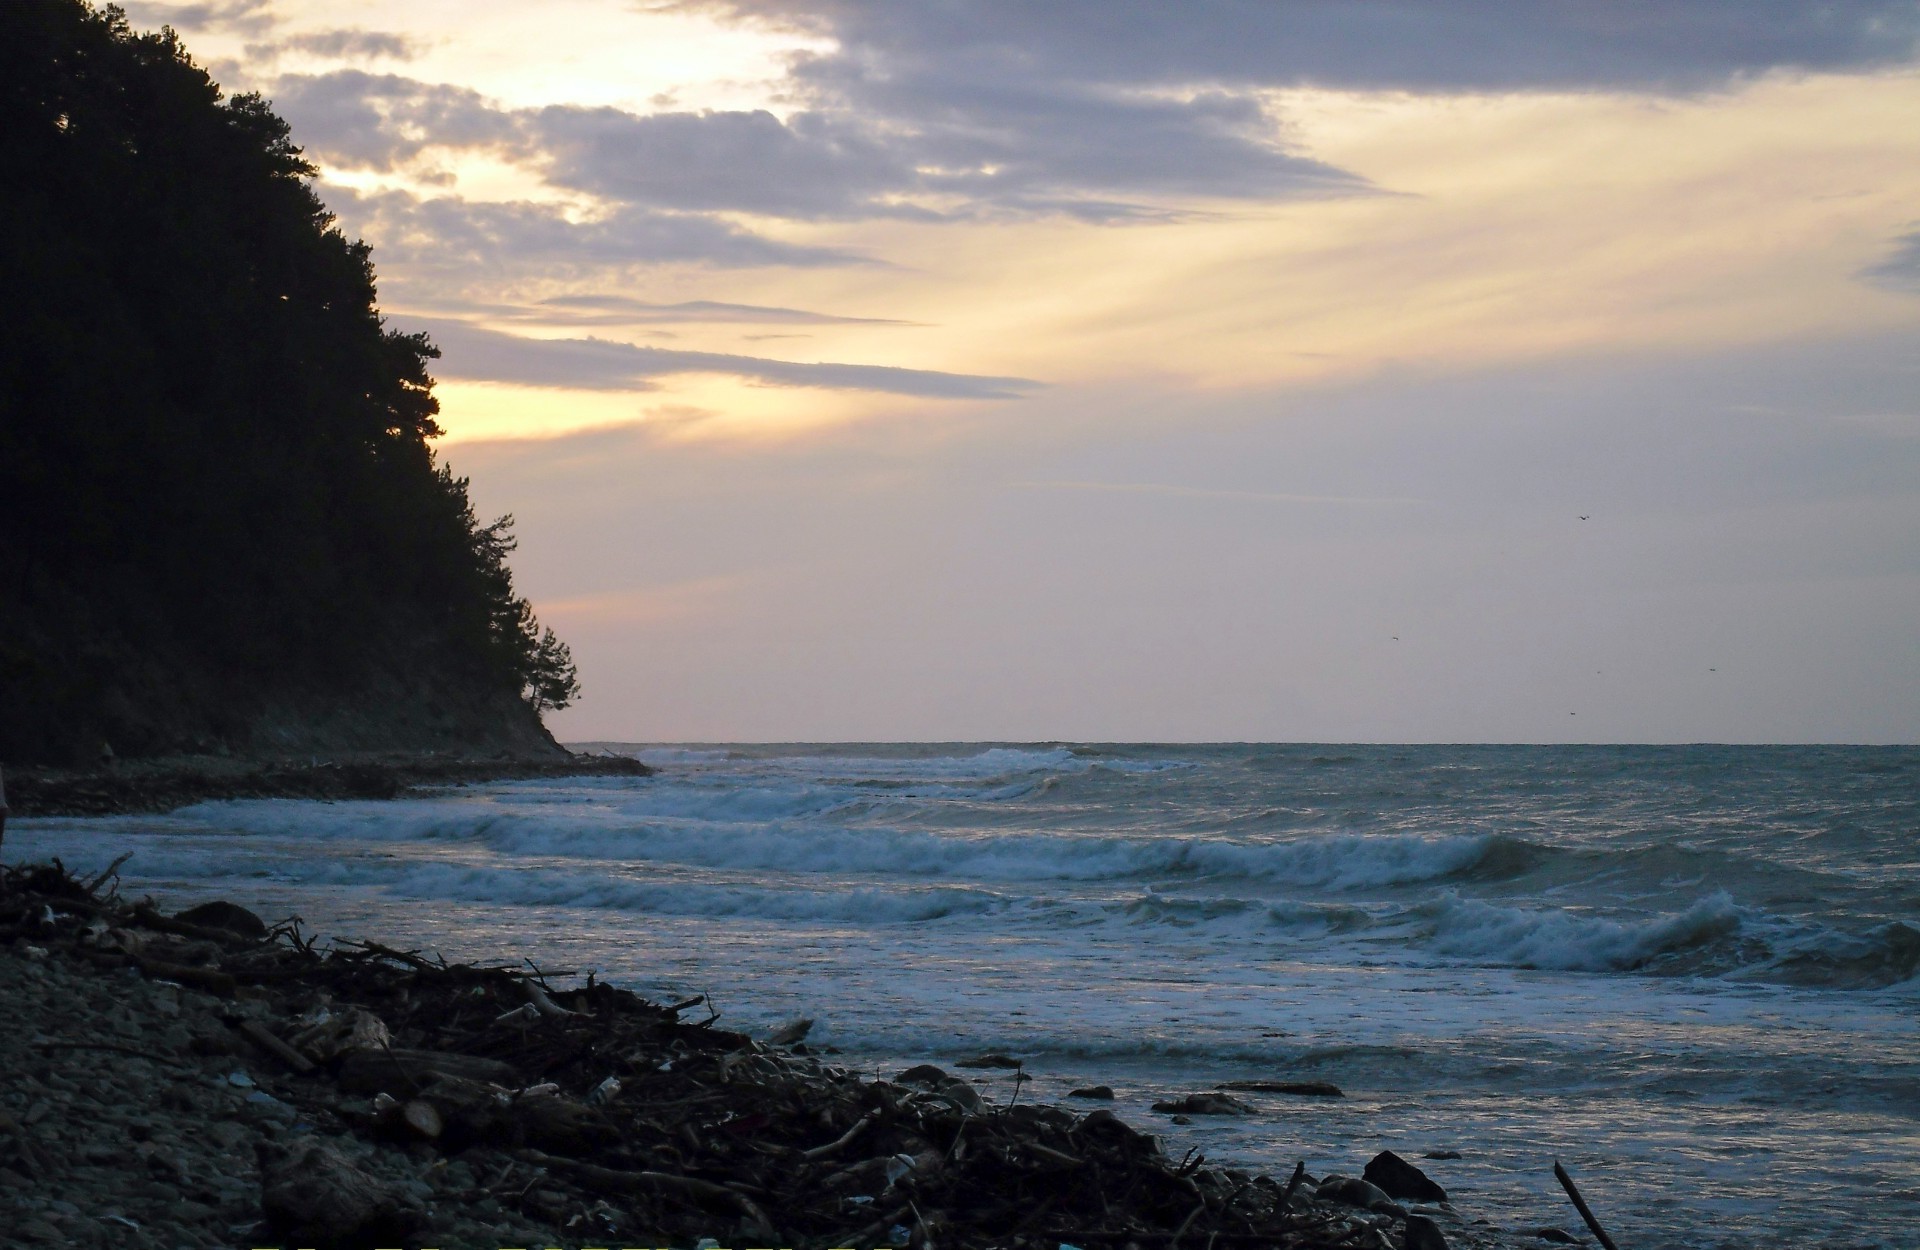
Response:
column 1687, row 972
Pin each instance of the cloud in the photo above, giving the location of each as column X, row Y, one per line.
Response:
column 252, row 17
column 379, row 121
column 864, row 150
column 443, row 243
column 872, row 150
column 1414, row 45
column 1900, row 271
column 346, row 45
column 620, row 310
column 475, row 354
column 1173, row 491
column 634, row 311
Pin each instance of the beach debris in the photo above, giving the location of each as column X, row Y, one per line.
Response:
column 1400, row 1179
column 1204, row 1104
column 1580, row 1205
column 603, row 1118
column 263, row 1037
column 314, row 1196
column 1299, row 1089
column 326, row 1034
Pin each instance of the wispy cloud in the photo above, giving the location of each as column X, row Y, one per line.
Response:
column 1900, row 270
column 1206, row 492
column 345, row 45
column 476, row 354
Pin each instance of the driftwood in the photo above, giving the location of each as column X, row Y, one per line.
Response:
column 1580, row 1205
column 263, row 1037
column 603, row 1106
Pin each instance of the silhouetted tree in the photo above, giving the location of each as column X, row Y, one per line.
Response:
column 216, row 489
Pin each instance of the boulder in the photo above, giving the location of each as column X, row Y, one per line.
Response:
column 1204, row 1104
column 1423, row 1234
column 314, row 1196
column 220, row 914
column 1401, row 1179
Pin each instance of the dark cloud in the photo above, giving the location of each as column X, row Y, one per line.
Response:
column 358, row 120
column 456, row 242
column 620, row 310
column 348, row 45
column 1417, row 45
column 251, row 17
column 633, row 311
column 872, row 148
column 868, row 150
column 1108, row 110
column 810, row 166
column 480, row 355
column 1900, row 271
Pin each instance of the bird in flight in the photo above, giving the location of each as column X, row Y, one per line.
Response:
column 1583, row 518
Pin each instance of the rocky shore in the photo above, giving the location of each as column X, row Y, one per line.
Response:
column 208, row 1080
column 159, row 785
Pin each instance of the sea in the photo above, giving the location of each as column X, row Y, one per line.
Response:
column 1688, row 973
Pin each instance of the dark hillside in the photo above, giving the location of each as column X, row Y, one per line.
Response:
column 221, row 523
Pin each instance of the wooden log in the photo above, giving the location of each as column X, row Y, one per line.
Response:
column 212, row 980
column 263, row 1037
column 1580, row 1205
column 617, row 1183
column 400, row 1071
column 544, row 1005
column 844, row 1140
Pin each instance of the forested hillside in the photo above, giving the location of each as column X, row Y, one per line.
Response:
column 221, row 523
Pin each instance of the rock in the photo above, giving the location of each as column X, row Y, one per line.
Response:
column 790, row 1033
column 423, row 1119
column 1105, row 1127
column 1441, row 1154
column 923, row 1074
column 314, row 1196
column 1355, row 1192
column 220, row 914
column 1559, row 1236
column 1301, row 1089
column 1401, row 1179
column 990, row 1061
column 1104, row 1092
column 1204, row 1104
column 1423, row 1234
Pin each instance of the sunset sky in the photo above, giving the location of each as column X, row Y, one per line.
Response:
column 1276, row 369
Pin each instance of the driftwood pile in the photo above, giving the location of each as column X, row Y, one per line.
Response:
column 622, row 1121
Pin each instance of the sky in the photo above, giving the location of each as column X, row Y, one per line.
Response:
column 1105, row 370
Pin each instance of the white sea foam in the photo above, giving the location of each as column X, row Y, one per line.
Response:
column 765, row 828
column 521, row 887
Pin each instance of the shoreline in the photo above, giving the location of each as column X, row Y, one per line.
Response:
column 145, row 786
column 209, row 1081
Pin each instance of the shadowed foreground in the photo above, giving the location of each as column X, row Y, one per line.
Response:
column 203, row 1079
